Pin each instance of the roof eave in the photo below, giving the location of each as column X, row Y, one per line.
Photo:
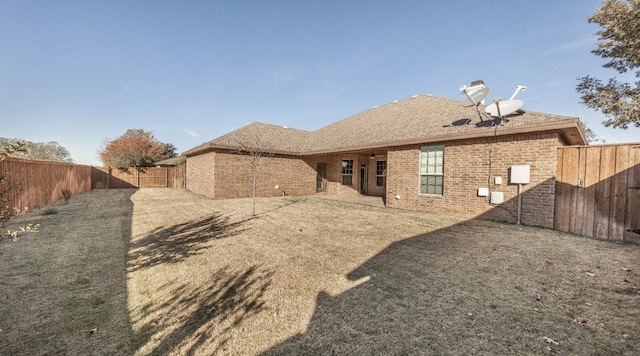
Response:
column 571, row 132
column 206, row 148
column 196, row 150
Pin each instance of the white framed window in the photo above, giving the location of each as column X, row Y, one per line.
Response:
column 347, row 172
column 432, row 169
column 381, row 173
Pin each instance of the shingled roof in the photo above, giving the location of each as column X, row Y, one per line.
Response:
column 258, row 136
column 416, row 120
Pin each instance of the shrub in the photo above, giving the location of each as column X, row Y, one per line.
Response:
column 50, row 211
column 66, row 193
column 6, row 210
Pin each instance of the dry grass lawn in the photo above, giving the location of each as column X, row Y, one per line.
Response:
column 160, row 271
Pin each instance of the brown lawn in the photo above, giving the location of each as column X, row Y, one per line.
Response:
column 160, row 271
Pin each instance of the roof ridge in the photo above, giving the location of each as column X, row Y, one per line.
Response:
column 275, row 126
column 419, row 117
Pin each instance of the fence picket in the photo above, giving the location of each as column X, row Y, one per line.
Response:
column 602, row 178
column 38, row 183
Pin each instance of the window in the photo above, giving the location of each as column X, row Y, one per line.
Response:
column 431, row 169
column 347, row 172
column 381, row 173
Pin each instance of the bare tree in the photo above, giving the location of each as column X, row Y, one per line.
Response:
column 256, row 150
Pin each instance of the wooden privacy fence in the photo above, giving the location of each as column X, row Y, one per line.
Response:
column 598, row 191
column 36, row 183
column 148, row 177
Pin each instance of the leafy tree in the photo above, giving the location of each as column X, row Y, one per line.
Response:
column 619, row 42
column 135, row 148
column 38, row 151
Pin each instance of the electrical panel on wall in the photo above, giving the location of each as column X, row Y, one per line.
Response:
column 497, row 197
column 520, row 174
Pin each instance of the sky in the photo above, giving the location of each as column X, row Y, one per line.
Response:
column 82, row 72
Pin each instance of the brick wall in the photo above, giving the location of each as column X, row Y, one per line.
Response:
column 334, row 173
column 373, row 189
column 200, row 174
column 223, row 175
column 333, row 179
column 468, row 166
column 228, row 175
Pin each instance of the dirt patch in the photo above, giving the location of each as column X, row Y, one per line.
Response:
column 309, row 276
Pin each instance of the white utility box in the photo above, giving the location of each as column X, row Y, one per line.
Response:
column 497, row 197
column 483, row 192
column 520, row 174
column 497, row 180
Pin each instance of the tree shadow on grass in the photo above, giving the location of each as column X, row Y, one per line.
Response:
column 391, row 312
column 206, row 315
column 471, row 288
column 176, row 243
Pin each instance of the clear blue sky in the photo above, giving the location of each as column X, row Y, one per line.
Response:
column 79, row 72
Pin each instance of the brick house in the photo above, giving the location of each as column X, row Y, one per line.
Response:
column 421, row 153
